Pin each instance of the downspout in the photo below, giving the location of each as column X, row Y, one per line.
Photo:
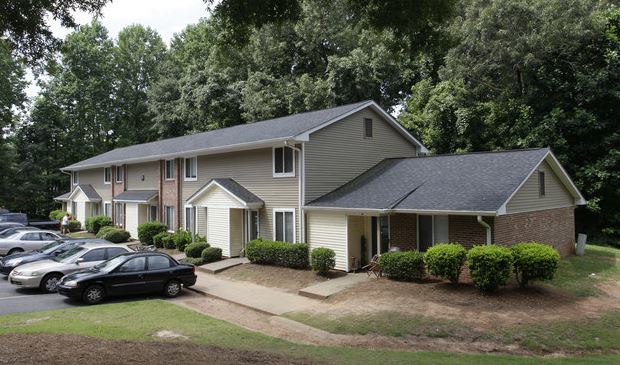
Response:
column 300, row 189
column 486, row 226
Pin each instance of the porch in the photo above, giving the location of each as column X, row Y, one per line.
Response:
column 134, row 207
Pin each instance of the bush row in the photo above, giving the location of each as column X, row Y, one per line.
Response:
column 293, row 255
column 113, row 234
column 148, row 230
column 179, row 239
column 95, row 223
column 57, row 214
column 208, row 254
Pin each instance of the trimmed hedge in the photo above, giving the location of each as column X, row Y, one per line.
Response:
column 211, row 254
column 534, row 261
column 57, row 214
column 293, row 255
column 402, row 266
column 163, row 239
column 94, row 223
column 489, row 266
column 181, row 239
column 114, row 235
column 196, row 261
column 322, row 260
column 194, row 250
column 148, row 230
column 446, row 261
column 75, row 226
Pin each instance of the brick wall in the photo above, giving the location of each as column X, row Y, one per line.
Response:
column 169, row 192
column 466, row 230
column 552, row 226
column 403, row 231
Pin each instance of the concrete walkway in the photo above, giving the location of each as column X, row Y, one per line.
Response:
column 260, row 298
column 330, row 287
column 219, row 266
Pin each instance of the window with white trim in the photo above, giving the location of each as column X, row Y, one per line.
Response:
column 189, row 219
column 119, row 214
column 169, row 170
column 284, row 225
column 283, row 162
column 368, row 128
column 75, row 177
column 120, row 174
column 191, row 169
column 153, row 212
column 107, row 209
column 107, row 175
column 169, row 217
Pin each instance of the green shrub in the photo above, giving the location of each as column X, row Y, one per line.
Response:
column 114, row 235
column 446, row 261
column 104, row 230
column 211, row 254
column 161, row 238
column 199, row 238
column 182, row 238
column 322, row 260
column 195, row 249
column 148, row 230
column 168, row 241
column 403, row 266
column 94, row 224
column 293, row 255
column 489, row 266
column 57, row 214
column 75, row 226
column 534, row 261
column 197, row 261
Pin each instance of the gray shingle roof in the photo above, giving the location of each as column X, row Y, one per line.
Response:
column 136, row 196
column 89, row 191
column 477, row 182
column 235, row 188
column 271, row 129
column 62, row 197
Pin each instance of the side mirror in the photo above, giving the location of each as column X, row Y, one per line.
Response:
column 79, row 261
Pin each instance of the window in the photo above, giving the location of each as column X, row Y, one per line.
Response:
column 189, row 219
column 253, row 225
column 368, row 128
column 107, row 209
column 133, row 265
column 283, row 162
column 191, row 168
column 75, row 177
column 119, row 213
column 94, row 255
column 73, row 208
column 169, row 217
column 169, row 173
column 113, row 252
column 31, row 237
column 541, row 183
column 158, row 263
column 284, row 225
column 107, row 175
column 46, row 236
column 120, row 174
column 153, row 212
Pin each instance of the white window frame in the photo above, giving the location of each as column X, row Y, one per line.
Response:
column 105, row 176
column 273, row 163
column 119, row 212
column 75, row 177
column 284, row 210
column 122, row 174
column 105, row 204
column 193, row 213
column 185, row 177
column 156, row 212
column 166, row 170
column 166, row 220
column 249, row 223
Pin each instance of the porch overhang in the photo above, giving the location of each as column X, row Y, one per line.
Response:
column 63, row 198
column 87, row 191
column 136, row 196
column 235, row 195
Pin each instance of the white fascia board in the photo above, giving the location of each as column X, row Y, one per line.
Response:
column 211, row 184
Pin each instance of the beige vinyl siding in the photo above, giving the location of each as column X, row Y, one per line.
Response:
column 94, row 177
column 254, row 170
column 340, row 152
column 150, row 171
column 217, row 197
column 327, row 229
column 218, row 234
column 236, row 231
column 528, row 198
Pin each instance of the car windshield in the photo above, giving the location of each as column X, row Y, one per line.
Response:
column 50, row 247
column 69, row 255
column 109, row 265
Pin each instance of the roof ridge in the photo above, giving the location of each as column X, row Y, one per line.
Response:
column 456, row 154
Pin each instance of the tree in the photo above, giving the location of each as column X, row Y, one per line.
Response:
column 24, row 23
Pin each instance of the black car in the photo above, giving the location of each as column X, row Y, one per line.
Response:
column 52, row 249
column 129, row 274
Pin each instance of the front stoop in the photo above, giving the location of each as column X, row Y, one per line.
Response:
column 330, row 287
column 219, row 266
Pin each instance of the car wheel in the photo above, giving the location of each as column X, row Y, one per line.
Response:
column 93, row 294
column 14, row 250
column 172, row 289
column 49, row 283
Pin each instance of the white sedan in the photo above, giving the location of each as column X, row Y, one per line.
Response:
column 26, row 241
column 47, row 273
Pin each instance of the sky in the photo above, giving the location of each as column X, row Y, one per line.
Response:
column 165, row 16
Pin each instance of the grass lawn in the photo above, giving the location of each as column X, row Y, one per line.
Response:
column 142, row 319
column 82, row 234
column 580, row 274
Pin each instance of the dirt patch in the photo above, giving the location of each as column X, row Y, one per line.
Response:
column 284, row 278
column 72, row 349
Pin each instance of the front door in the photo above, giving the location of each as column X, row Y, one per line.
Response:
column 425, row 232
column 252, row 231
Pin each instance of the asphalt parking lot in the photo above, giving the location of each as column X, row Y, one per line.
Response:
column 19, row 300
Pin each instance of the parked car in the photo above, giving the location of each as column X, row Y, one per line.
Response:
column 26, row 241
column 45, row 274
column 11, row 231
column 51, row 250
column 6, row 225
column 23, row 219
column 129, row 274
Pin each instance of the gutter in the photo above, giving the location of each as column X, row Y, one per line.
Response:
column 486, row 226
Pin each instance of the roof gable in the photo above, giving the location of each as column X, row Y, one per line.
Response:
column 225, row 192
column 86, row 191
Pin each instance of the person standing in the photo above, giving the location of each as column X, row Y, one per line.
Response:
column 65, row 224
